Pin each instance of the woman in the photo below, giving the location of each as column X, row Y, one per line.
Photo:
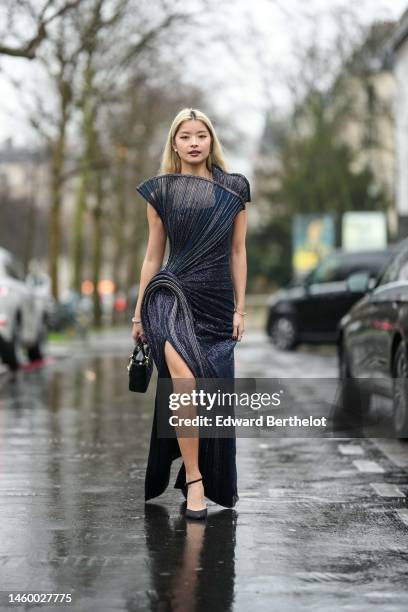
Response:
column 186, row 309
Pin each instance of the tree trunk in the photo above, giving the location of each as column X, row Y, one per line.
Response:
column 55, row 213
column 97, row 216
column 119, row 227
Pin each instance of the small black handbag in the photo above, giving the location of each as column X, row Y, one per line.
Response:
column 140, row 367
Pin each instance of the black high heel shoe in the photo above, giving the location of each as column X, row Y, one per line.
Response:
column 195, row 514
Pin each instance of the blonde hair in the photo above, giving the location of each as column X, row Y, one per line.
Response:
column 170, row 161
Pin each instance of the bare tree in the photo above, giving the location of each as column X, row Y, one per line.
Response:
column 101, row 64
column 106, row 79
column 51, row 12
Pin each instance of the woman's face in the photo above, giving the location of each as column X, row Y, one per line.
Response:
column 193, row 141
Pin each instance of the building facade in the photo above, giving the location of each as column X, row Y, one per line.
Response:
column 398, row 51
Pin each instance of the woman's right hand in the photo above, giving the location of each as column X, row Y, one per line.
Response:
column 138, row 333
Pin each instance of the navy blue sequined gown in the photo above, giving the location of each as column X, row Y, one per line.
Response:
column 190, row 303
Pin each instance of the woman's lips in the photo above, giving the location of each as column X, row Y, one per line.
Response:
column 194, row 153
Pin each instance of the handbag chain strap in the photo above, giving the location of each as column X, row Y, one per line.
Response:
column 146, row 356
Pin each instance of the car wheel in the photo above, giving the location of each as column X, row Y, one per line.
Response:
column 284, row 333
column 343, row 368
column 344, row 363
column 36, row 351
column 352, row 403
column 11, row 352
column 400, row 392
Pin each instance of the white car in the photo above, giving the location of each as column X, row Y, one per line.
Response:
column 25, row 305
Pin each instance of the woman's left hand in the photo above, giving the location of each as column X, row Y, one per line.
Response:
column 238, row 326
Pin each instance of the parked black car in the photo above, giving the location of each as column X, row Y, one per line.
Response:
column 372, row 340
column 310, row 310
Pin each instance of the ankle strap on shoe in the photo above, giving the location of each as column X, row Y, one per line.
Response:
column 193, row 481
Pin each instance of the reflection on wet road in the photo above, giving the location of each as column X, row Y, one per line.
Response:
column 321, row 524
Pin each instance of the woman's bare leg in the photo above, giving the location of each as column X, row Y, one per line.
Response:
column 188, row 445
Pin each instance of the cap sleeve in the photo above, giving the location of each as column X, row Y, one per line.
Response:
column 151, row 191
column 243, row 188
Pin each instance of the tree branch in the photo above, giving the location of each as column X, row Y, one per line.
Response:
column 29, row 50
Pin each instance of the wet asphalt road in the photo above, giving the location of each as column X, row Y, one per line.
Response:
column 322, row 524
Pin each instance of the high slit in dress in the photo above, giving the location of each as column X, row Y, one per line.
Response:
column 190, row 303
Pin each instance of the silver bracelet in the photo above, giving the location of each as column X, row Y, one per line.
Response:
column 241, row 313
column 134, row 320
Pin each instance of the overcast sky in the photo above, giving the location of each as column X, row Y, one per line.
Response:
column 240, row 92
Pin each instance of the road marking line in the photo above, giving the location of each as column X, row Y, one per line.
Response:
column 386, row 489
column 248, row 494
column 279, row 492
column 351, row 449
column 403, row 515
column 363, row 465
column 395, row 451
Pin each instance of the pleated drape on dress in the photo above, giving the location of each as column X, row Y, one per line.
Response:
column 190, row 303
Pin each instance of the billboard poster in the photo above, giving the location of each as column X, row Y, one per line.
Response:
column 313, row 237
column 364, row 230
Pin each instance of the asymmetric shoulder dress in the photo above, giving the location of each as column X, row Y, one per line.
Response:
column 190, row 303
